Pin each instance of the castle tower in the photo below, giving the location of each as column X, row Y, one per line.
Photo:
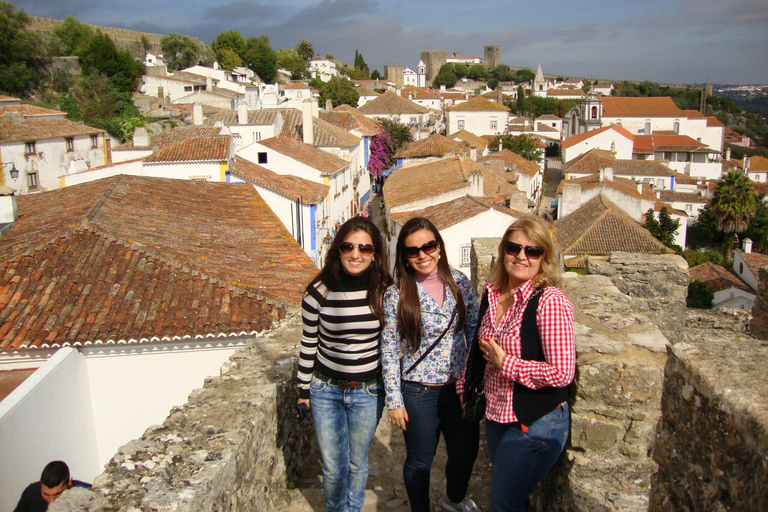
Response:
column 492, row 56
column 394, row 73
column 434, row 60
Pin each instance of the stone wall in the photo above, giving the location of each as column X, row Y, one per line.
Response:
column 712, row 446
column 232, row 446
column 759, row 325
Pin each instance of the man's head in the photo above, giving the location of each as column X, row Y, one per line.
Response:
column 54, row 481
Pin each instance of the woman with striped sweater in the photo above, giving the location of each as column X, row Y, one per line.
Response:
column 339, row 368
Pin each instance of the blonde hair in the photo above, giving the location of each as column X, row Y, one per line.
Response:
column 537, row 232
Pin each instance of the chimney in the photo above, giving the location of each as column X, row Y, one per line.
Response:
column 442, row 88
column 499, row 95
column 398, row 92
column 639, row 187
column 727, row 153
column 747, row 245
column 328, row 105
column 208, row 83
column 607, row 173
column 501, row 146
column 242, row 113
column 140, row 137
column 197, row 114
column 315, row 109
column 8, row 212
column 473, row 153
column 306, row 121
column 476, row 184
column 745, row 165
column 570, row 200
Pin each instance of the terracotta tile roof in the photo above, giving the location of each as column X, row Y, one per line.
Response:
column 3, row 97
column 350, row 119
column 571, row 141
column 27, row 110
column 755, row 261
column 713, row 121
column 652, row 143
column 434, row 145
column 623, row 185
column 673, row 196
column 173, row 136
column 620, row 166
column 578, row 93
column 450, row 213
column 599, row 227
column 693, row 114
column 717, row 278
column 138, row 259
column 684, row 179
column 659, row 205
column 479, row 104
column 311, row 156
column 294, row 86
column 328, row 135
column 195, row 149
column 511, row 160
column 390, row 103
column 494, row 95
column 289, row 186
column 187, row 109
column 470, row 138
column 619, row 106
column 419, row 92
column 33, row 128
column 757, row 163
column 292, row 122
column 761, row 189
column 265, row 117
column 407, row 184
column 549, row 117
column 591, row 161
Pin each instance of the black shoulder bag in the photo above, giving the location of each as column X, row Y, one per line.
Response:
column 474, row 376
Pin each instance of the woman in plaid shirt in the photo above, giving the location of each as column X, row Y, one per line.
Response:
column 531, row 357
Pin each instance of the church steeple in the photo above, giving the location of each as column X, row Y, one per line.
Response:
column 540, row 85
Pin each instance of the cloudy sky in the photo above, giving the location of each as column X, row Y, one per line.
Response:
column 677, row 41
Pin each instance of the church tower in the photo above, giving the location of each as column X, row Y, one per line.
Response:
column 421, row 74
column 540, row 85
column 592, row 111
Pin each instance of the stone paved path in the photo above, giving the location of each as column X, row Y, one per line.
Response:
column 385, row 490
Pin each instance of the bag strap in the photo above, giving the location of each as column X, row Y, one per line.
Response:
column 420, row 359
column 475, row 361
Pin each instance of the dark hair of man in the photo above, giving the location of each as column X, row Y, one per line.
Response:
column 54, row 474
column 409, row 307
column 379, row 275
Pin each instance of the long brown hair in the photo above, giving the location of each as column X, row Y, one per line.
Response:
column 379, row 278
column 409, row 307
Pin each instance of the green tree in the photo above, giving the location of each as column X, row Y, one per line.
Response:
column 261, row 58
column 144, row 44
column 695, row 257
column 21, row 52
column 460, row 70
column 493, row 84
column 73, row 34
column 329, row 56
column 445, row 77
column 521, row 105
column 232, row 40
column 523, row 145
column 758, row 227
column 305, row 50
column 734, row 203
column 228, row 58
column 524, row 75
column 502, row 73
column 477, row 72
column 375, row 75
column 399, row 132
column 360, row 64
column 664, row 229
column 703, row 233
column 181, row 52
column 340, row 91
column 700, row 296
column 100, row 55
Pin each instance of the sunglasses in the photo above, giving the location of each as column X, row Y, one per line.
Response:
column 531, row 251
column 427, row 248
column 347, row 247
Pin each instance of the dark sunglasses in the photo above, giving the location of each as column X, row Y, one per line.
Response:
column 348, row 247
column 531, row 251
column 427, row 248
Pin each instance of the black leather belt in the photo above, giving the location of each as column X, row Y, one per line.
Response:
column 345, row 384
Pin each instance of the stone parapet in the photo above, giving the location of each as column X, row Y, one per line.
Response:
column 232, row 446
column 712, row 446
column 759, row 325
column 658, row 283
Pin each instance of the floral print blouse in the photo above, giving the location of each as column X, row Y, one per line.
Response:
column 447, row 360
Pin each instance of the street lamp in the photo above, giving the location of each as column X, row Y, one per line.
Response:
column 14, row 171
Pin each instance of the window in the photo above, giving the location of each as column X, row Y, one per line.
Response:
column 594, row 112
column 70, row 144
column 741, row 268
column 460, row 124
column 676, row 127
column 188, row 88
column 298, row 94
column 29, row 148
column 660, row 183
column 493, row 124
column 466, row 252
column 262, row 158
column 32, row 180
column 94, row 141
column 757, row 177
column 256, row 136
column 688, row 207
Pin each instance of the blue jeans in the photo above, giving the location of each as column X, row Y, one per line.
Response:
column 520, row 460
column 345, row 421
column 432, row 410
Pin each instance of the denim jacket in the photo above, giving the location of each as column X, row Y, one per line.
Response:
column 447, row 359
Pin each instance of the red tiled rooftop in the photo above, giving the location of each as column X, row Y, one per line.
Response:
column 390, row 103
column 479, row 104
column 173, row 136
column 195, row 149
column 311, row 156
column 620, row 106
column 571, row 141
column 39, row 128
column 435, row 145
column 289, row 186
column 718, row 278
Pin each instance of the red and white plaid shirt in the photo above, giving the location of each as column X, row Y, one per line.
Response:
column 555, row 320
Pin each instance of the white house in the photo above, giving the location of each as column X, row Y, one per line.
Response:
column 459, row 221
column 615, row 139
column 38, row 148
column 392, row 106
column 247, row 126
column 322, row 68
column 747, row 264
column 479, row 116
column 729, row 291
column 528, row 175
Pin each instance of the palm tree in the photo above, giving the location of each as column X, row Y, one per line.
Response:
column 305, row 50
column 733, row 203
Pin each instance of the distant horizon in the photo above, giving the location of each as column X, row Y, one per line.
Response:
column 686, row 42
